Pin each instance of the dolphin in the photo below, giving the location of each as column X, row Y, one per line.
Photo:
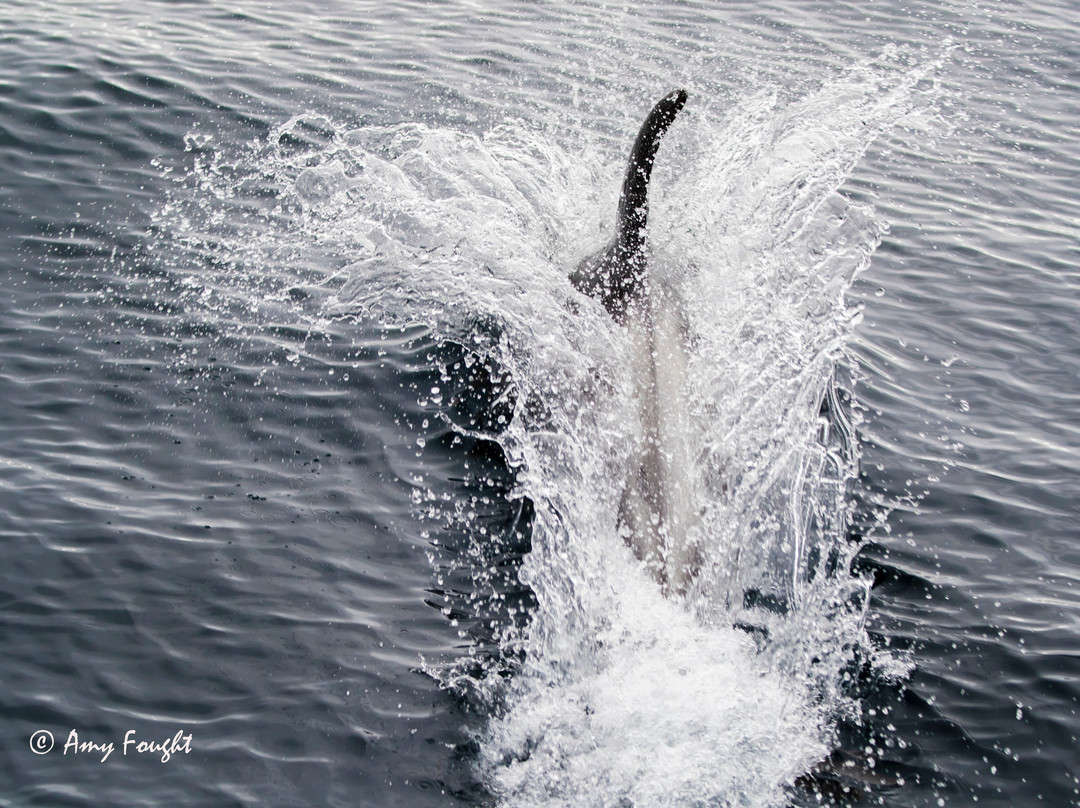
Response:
column 656, row 512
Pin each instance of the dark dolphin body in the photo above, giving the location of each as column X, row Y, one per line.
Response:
column 657, row 509
column 618, row 275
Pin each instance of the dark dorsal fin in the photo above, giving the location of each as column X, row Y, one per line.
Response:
column 618, row 273
column 634, row 202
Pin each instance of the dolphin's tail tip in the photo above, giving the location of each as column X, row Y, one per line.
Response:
column 678, row 98
column 665, row 111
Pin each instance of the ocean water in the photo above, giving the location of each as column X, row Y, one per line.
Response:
column 312, row 456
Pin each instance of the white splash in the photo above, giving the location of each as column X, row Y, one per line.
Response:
column 626, row 697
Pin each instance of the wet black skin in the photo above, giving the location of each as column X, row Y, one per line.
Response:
column 618, row 275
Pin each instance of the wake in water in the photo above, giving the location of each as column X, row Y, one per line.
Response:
column 619, row 695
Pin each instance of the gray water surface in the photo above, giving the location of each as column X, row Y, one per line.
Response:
column 265, row 270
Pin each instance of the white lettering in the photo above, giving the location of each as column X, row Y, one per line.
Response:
column 72, row 742
column 76, row 746
column 166, row 748
column 127, row 740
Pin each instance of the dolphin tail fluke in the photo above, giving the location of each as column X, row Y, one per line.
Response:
column 617, row 274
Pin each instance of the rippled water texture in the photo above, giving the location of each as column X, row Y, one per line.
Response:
column 313, row 453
